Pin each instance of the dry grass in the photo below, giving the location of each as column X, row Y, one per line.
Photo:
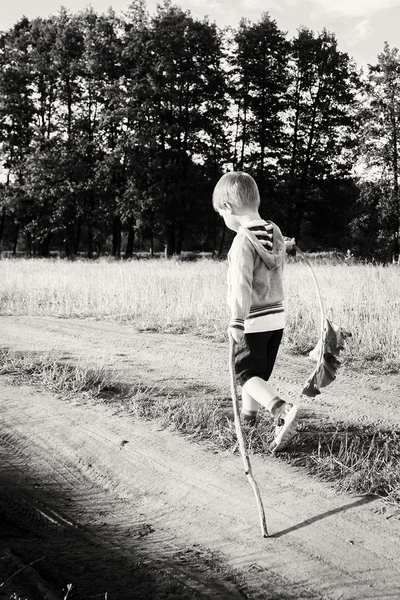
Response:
column 50, row 372
column 355, row 459
column 176, row 296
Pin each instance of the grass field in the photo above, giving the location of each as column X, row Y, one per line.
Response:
column 178, row 296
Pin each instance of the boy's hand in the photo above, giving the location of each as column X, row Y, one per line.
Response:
column 237, row 334
column 290, row 244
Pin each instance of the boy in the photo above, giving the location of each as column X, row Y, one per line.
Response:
column 255, row 297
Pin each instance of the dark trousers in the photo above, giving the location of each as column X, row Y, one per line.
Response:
column 255, row 356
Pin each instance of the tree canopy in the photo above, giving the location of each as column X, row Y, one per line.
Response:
column 115, row 129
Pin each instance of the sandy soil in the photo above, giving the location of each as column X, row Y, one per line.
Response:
column 113, row 505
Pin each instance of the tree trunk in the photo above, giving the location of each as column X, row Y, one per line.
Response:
column 16, row 236
column 237, row 125
column 49, row 113
column 261, row 184
column 2, row 222
column 222, row 241
column 298, row 215
column 395, row 166
column 78, row 236
column 179, row 240
column 170, row 234
column 300, row 202
column 116, row 242
column 292, row 173
column 45, row 247
column 70, row 243
column 171, row 240
column 131, row 239
column 69, row 107
column 152, row 242
column 244, row 133
column 295, row 136
column 29, row 243
column 90, row 242
column 214, row 232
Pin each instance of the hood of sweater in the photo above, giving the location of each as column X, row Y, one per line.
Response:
column 267, row 240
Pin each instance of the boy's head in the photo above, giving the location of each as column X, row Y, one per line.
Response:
column 237, row 191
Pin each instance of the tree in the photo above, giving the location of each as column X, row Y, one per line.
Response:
column 260, row 80
column 129, row 145
column 99, row 114
column 43, row 35
column 16, row 114
column 67, row 57
column 380, row 126
column 183, row 110
column 321, row 120
column 117, row 129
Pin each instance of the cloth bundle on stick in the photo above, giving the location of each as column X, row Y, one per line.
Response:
column 327, row 350
column 326, row 354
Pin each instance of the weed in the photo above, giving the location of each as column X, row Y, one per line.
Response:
column 357, row 459
column 48, row 371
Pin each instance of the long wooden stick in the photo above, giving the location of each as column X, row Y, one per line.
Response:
column 321, row 306
column 239, row 434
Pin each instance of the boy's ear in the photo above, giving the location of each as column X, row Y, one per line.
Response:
column 228, row 207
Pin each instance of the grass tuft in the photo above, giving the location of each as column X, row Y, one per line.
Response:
column 49, row 372
column 357, row 459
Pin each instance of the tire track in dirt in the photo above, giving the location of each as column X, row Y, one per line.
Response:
column 103, row 523
column 169, row 505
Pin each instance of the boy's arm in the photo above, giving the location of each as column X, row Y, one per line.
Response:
column 278, row 256
column 241, row 283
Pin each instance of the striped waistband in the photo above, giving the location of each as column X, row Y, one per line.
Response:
column 269, row 309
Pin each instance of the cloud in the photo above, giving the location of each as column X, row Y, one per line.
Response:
column 206, row 4
column 263, row 5
column 361, row 31
column 352, row 8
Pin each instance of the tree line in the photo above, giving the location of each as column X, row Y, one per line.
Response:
column 115, row 129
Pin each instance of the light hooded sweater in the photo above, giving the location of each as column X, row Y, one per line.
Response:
column 255, row 284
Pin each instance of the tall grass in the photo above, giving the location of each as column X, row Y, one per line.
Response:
column 177, row 296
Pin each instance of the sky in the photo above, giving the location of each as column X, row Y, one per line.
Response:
column 361, row 26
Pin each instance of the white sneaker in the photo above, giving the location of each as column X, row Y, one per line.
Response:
column 286, row 427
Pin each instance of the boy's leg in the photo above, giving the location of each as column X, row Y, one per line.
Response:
column 249, row 409
column 258, row 387
column 284, row 413
column 255, row 359
column 254, row 362
column 263, row 393
column 285, row 427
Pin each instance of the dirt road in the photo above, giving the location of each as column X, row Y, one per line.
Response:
column 123, row 507
column 191, row 365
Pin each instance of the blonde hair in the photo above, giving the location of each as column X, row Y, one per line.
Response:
column 237, row 188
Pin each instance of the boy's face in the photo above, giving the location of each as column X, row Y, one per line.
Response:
column 231, row 220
